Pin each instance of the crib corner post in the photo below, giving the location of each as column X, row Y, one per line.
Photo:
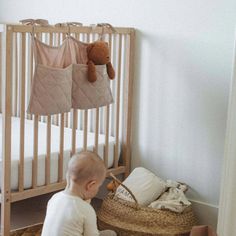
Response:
column 128, row 100
column 5, row 213
column 6, row 137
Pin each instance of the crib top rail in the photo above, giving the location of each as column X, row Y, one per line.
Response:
column 19, row 28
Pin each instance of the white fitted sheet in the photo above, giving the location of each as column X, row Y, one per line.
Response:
column 55, row 142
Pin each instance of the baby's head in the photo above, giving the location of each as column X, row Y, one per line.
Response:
column 86, row 170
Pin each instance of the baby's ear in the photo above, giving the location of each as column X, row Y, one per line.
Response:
column 90, row 184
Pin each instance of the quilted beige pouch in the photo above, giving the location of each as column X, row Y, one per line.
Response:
column 86, row 95
column 52, row 82
column 51, row 90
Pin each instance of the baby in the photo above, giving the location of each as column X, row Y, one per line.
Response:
column 68, row 212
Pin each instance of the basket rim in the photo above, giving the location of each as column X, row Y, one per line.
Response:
column 112, row 196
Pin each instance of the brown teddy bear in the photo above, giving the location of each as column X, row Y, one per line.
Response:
column 98, row 54
column 112, row 186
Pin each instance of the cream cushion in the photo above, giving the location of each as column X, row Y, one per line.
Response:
column 145, row 186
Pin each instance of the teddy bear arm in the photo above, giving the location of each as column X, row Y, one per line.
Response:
column 110, row 71
column 91, row 72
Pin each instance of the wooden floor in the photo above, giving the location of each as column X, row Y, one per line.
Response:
column 34, row 230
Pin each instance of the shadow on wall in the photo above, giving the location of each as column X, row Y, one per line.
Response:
column 179, row 117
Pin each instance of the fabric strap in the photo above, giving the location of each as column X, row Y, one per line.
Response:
column 41, row 22
column 34, row 22
column 68, row 24
column 105, row 26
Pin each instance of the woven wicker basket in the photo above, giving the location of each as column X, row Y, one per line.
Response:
column 129, row 218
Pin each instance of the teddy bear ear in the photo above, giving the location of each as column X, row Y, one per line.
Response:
column 89, row 48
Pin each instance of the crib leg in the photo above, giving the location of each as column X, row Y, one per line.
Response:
column 5, row 215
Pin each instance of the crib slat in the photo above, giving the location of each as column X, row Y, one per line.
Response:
column 85, row 130
column 0, row 72
column 113, row 87
column 57, row 43
column 118, row 101
column 53, row 42
column 66, row 114
column 15, row 102
column 48, row 150
column 61, row 155
column 39, row 36
column 22, row 114
column 106, row 147
column 91, row 115
column 30, row 78
column 35, row 161
column 66, row 120
column 49, row 122
column 96, row 131
column 86, row 115
column 51, row 38
column 74, row 127
column 107, row 122
column 36, row 123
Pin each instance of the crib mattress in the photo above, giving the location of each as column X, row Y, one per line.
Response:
column 55, row 142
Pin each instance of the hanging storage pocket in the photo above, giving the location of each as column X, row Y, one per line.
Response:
column 51, row 90
column 52, row 82
column 86, row 95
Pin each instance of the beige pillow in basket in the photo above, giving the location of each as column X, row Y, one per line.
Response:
column 145, row 186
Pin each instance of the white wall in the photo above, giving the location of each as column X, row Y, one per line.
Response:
column 183, row 65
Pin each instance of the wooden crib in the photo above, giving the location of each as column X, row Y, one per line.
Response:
column 35, row 149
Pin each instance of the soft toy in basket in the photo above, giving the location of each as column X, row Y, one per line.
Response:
column 132, row 213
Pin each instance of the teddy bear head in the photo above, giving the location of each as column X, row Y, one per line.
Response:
column 98, row 54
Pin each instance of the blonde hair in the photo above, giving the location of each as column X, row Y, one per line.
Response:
column 85, row 166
